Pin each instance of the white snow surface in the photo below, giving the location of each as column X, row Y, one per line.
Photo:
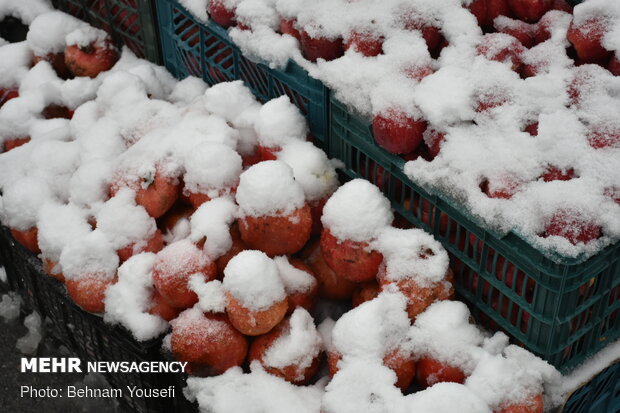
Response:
column 211, row 221
column 211, row 295
column 212, row 169
column 279, row 122
column 357, row 211
column 128, row 300
column 24, row 10
column 294, row 279
column 90, row 255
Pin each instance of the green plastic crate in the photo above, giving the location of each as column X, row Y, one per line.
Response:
column 561, row 310
column 194, row 48
column 600, row 395
column 129, row 22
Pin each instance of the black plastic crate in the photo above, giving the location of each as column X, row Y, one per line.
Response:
column 129, row 22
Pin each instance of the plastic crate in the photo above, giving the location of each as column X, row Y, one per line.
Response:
column 561, row 311
column 84, row 334
column 193, row 48
column 129, row 22
column 599, row 395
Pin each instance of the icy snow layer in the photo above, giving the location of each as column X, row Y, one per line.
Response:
column 24, row 10
column 479, row 144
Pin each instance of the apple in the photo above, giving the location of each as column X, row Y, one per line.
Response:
column 604, row 136
column 161, row 307
column 313, row 48
column 57, row 61
column 530, row 10
column 304, row 299
column 434, row 139
column 267, row 153
column 237, row 246
column 365, row 292
column 418, row 71
column 153, row 244
column 571, row 225
column 277, row 234
column 54, row 111
column 27, row 238
column 351, row 260
column 525, row 33
column 613, row 67
column 207, row 339
column 292, row 373
column 587, row 39
column 49, row 267
column 553, row 173
column 331, row 286
column 88, row 291
column 365, row 42
column 430, row 371
column 7, row 94
column 172, row 269
column 533, row 405
column 501, row 47
column 254, row 323
column 10, row 144
column 502, row 187
column 613, row 193
column 397, row 132
column 288, row 26
column 532, row 129
column 221, row 14
column 92, row 59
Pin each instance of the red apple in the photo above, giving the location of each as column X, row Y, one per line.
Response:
column 534, row 405
column 92, row 59
column 397, row 132
column 613, row 67
column 7, row 94
column 254, row 323
column 57, row 61
column 49, row 267
column 54, row 111
column 365, row 42
column 530, row 10
column 153, row 244
column 434, row 139
column 501, row 47
column 601, row 137
column 278, row 234
column 430, row 371
column 532, row 129
column 418, row 72
column 330, row 284
column 365, row 292
column 314, row 48
column 267, row 153
column 304, row 299
column 503, row 187
column 287, row 26
column 14, row 143
column 587, row 39
column 27, row 238
column 553, row 173
column 573, row 226
column 352, row 260
column 208, row 339
column 161, row 307
column 613, row 193
column 220, row 14
column 237, row 246
column 88, row 291
column 524, row 32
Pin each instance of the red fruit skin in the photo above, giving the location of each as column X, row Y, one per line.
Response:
column 587, row 41
column 434, row 139
column 613, row 67
column 570, row 225
column 490, row 100
column 366, row 43
column 599, row 138
column 160, row 307
column 291, row 373
column 157, row 198
column 350, row 259
column 48, row 267
column 404, row 367
column 277, row 235
column 287, row 26
column 509, row 54
column 88, row 292
column 532, row 129
column 479, row 9
column 170, row 219
column 268, row 154
column 305, row 299
column 365, row 292
column 14, row 143
column 530, row 11
column 430, row 371
column 7, row 94
column 90, row 61
column 503, row 187
column 331, row 286
column 553, row 173
column 496, row 8
column 562, row 5
column 219, row 348
column 417, row 72
column 523, row 32
column 196, row 199
column 57, row 111
column 220, row 14
column 534, row 405
column 316, row 210
column 27, row 239
column 254, row 323
column 57, row 61
column 320, row 48
column 613, row 193
column 174, row 287
column 153, row 244
column 398, row 133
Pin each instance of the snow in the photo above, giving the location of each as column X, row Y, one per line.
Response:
column 90, row 255
column 127, row 302
column 294, row 279
column 357, row 211
column 24, row 10
column 269, row 188
column 48, row 31
column 3, row 276
column 15, row 60
column 86, row 36
column 311, row 169
column 21, row 202
column 211, row 222
column 29, row 343
column 253, row 392
column 446, row 398
column 179, row 258
column 211, row 295
column 252, row 278
column 412, row 254
column 10, row 306
column 299, row 344
column 212, row 169
column 279, row 122
column 58, row 226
